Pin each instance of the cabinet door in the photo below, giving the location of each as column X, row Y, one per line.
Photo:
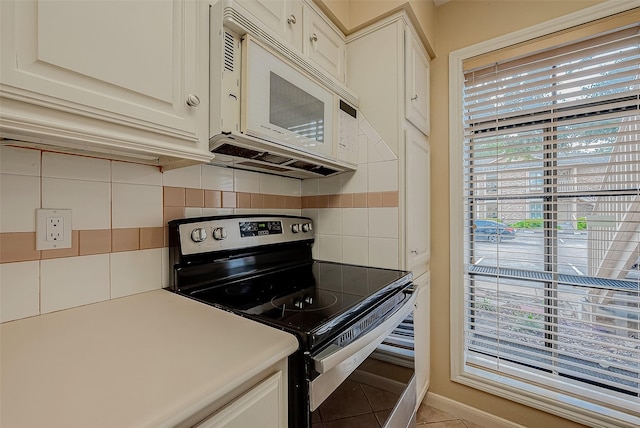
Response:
column 418, row 205
column 262, row 406
column 417, row 84
column 421, row 332
column 323, row 44
column 123, row 67
column 283, row 17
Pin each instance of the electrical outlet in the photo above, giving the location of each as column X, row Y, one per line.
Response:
column 53, row 229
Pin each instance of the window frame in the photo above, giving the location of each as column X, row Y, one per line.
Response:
column 495, row 383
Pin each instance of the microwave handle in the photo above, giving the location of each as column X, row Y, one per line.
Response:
column 334, row 354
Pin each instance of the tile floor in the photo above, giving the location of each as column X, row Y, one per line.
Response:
column 357, row 405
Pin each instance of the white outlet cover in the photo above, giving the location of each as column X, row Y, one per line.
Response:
column 41, row 229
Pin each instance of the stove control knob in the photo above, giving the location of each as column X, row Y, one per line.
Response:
column 198, row 235
column 219, row 233
column 306, row 227
column 295, row 228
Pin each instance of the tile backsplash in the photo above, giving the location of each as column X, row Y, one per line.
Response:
column 120, row 210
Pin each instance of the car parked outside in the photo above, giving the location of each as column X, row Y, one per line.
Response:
column 492, row 231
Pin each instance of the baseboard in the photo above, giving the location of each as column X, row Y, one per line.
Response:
column 467, row 413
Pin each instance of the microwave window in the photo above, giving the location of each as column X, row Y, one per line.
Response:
column 295, row 110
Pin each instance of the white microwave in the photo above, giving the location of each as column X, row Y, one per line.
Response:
column 268, row 114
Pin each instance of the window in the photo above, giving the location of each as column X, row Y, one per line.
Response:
column 555, row 309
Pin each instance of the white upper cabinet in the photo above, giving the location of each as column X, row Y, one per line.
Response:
column 284, row 17
column 323, row 44
column 418, row 184
column 128, row 76
column 416, row 84
column 300, row 25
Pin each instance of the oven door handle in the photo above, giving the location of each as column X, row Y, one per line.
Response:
column 362, row 347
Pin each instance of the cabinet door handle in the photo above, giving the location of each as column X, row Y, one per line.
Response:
column 314, row 37
column 415, row 97
column 291, row 20
column 193, row 100
column 415, row 252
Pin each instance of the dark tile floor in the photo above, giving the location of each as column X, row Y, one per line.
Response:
column 357, row 405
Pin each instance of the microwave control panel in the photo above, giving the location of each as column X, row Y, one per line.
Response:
column 347, row 133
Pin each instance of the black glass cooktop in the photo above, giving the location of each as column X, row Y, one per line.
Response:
column 307, row 299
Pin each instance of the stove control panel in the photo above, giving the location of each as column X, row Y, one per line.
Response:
column 206, row 234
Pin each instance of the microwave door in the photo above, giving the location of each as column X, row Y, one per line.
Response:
column 285, row 106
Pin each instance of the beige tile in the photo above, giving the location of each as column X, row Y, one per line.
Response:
column 280, row 201
column 334, row 201
column 360, row 200
column 346, row 401
column 59, row 165
column 190, row 212
column 382, row 176
column 18, row 247
column 354, row 222
column 309, row 202
column 246, row 181
column 19, row 199
column 269, row 201
column 428, row 414
column 125, row 239
column 329, row 221
column 166, row 272
column 132, row 173
column 383, row 252
column 389, row 199
column 355, row 181
column 330, row 185
column 243, row 200
column 271, row 184
column 355, row 250
column 174, row 197
column 89, row 201
column 73, row 281
column 217, row 178
column 135, row 272
column 292, row 203
column 19, row 161
column 183, row 177
column 310, row 187
column 229, row 200
column 172, row 213
column 257, row 201
column 374, row 199
column 346, row 200
column 322, row 201
column 151, row 237
column 212, row 199
column 290, row 187
column 329, row 247
column 135, row 205
column 194, row 198
column 94, row 242
column 19, row 290
column 383, row 222
column 63, row 252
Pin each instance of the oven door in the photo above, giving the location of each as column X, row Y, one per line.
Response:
column 335, row 363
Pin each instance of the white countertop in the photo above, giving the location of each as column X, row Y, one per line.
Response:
column 146, row 360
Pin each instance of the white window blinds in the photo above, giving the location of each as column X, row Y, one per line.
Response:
column 552, row 218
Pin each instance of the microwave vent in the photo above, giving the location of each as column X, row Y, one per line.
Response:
column 263, row 166
column 241, row 152
column 229, row 51
column 271, row 158
column 322, row 170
